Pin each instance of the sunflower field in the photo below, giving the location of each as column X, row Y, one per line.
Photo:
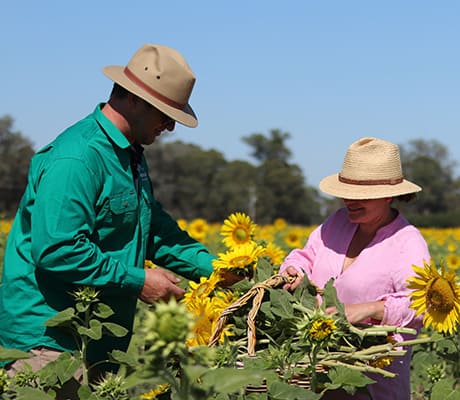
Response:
column 250, row 340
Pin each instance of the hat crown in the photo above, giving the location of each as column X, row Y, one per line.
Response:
column 371, row 159
column 371, row 170
column 161, row 76
column 163, row 70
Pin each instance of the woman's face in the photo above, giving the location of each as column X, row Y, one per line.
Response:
column 368, row 211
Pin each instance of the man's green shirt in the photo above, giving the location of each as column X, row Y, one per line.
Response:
column 81, row 222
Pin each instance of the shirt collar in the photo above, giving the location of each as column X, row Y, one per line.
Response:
column 109, row 128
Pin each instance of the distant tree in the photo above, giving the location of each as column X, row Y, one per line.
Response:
column 282, row 193
column 269, row 148
column 15, row 152
column 428, row 164
column 281, row 188
column 234, row 190
column 183, row 177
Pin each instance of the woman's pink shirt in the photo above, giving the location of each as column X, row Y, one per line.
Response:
column 380, row 272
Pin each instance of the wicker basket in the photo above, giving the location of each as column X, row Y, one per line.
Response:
column 256, row 294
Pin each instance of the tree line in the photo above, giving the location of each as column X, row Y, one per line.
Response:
column 192, row 182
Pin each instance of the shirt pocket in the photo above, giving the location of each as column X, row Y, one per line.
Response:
column 124, row 210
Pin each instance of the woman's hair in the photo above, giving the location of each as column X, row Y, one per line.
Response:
column 405, row 198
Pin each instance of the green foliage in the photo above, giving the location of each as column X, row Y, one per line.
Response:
column 271, row 148
column 15, row 152
column 347, row 379
column 427, row 162
column 158, row 356
column 3, row 237
column 436, row 367
column 194, row 183
column 12, row 354
column 86, row 322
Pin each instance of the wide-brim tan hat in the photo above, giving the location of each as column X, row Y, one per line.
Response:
column 161, row 76
column 371, row 170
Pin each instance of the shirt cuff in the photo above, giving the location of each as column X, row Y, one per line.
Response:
column 134, row 279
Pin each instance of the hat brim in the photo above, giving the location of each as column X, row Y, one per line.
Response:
column 186, row 116
column 332, row 186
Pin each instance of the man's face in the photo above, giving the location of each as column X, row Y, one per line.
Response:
column 148, row 122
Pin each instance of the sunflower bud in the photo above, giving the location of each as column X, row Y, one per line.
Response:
column 4, row 381
column 167, row 326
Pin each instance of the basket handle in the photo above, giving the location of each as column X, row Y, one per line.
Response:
column 257, row 291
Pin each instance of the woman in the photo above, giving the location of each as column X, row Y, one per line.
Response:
column 368, row 248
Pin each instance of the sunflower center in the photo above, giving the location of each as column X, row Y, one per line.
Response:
column 240, row 235
column 440, row 295
column 240, row 261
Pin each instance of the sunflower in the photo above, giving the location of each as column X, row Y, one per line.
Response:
column 294, row 237
column 152, row 394
column 182, row 224
column 207, row 311
column 453, row 261
column 198, row 229
column 437, row 294
column 201, row 289
column 149, row 264
column 274, row 254
column 237, row 229
column 321, row 329
column 318, row 328
column 280, row 223
column 381, row 362
column 241, row 259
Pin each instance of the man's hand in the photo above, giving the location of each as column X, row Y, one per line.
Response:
column 292, row 272
column 160, row 285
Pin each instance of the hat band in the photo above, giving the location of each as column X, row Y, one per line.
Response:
column 154, row 93
column 371, row 181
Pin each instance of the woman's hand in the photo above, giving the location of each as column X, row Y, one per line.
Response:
column 292, row 272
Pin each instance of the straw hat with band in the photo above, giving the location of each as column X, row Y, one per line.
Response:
column 371, row 170
column 160, row 76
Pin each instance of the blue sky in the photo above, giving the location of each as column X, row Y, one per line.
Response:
column 327, row 72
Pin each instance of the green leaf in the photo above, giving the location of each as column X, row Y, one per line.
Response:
column 85, row 392
column 94, row 331
column 115, row 329
column 280, row 304
column 306, row 293
column 82, row 307
column 194, row 372
column 330, row 298
column 265, row 309
column 231, row 380
column 65, row 367
column 121, row 357
column 102, row 310
column 12, row 354
column 62, row 318
column 443, row 390
column 285, row 391
column 60, row 370
column 263, row 271
column 28, row 393
column 346, row 378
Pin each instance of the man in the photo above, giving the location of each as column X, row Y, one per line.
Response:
column 89, row 217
